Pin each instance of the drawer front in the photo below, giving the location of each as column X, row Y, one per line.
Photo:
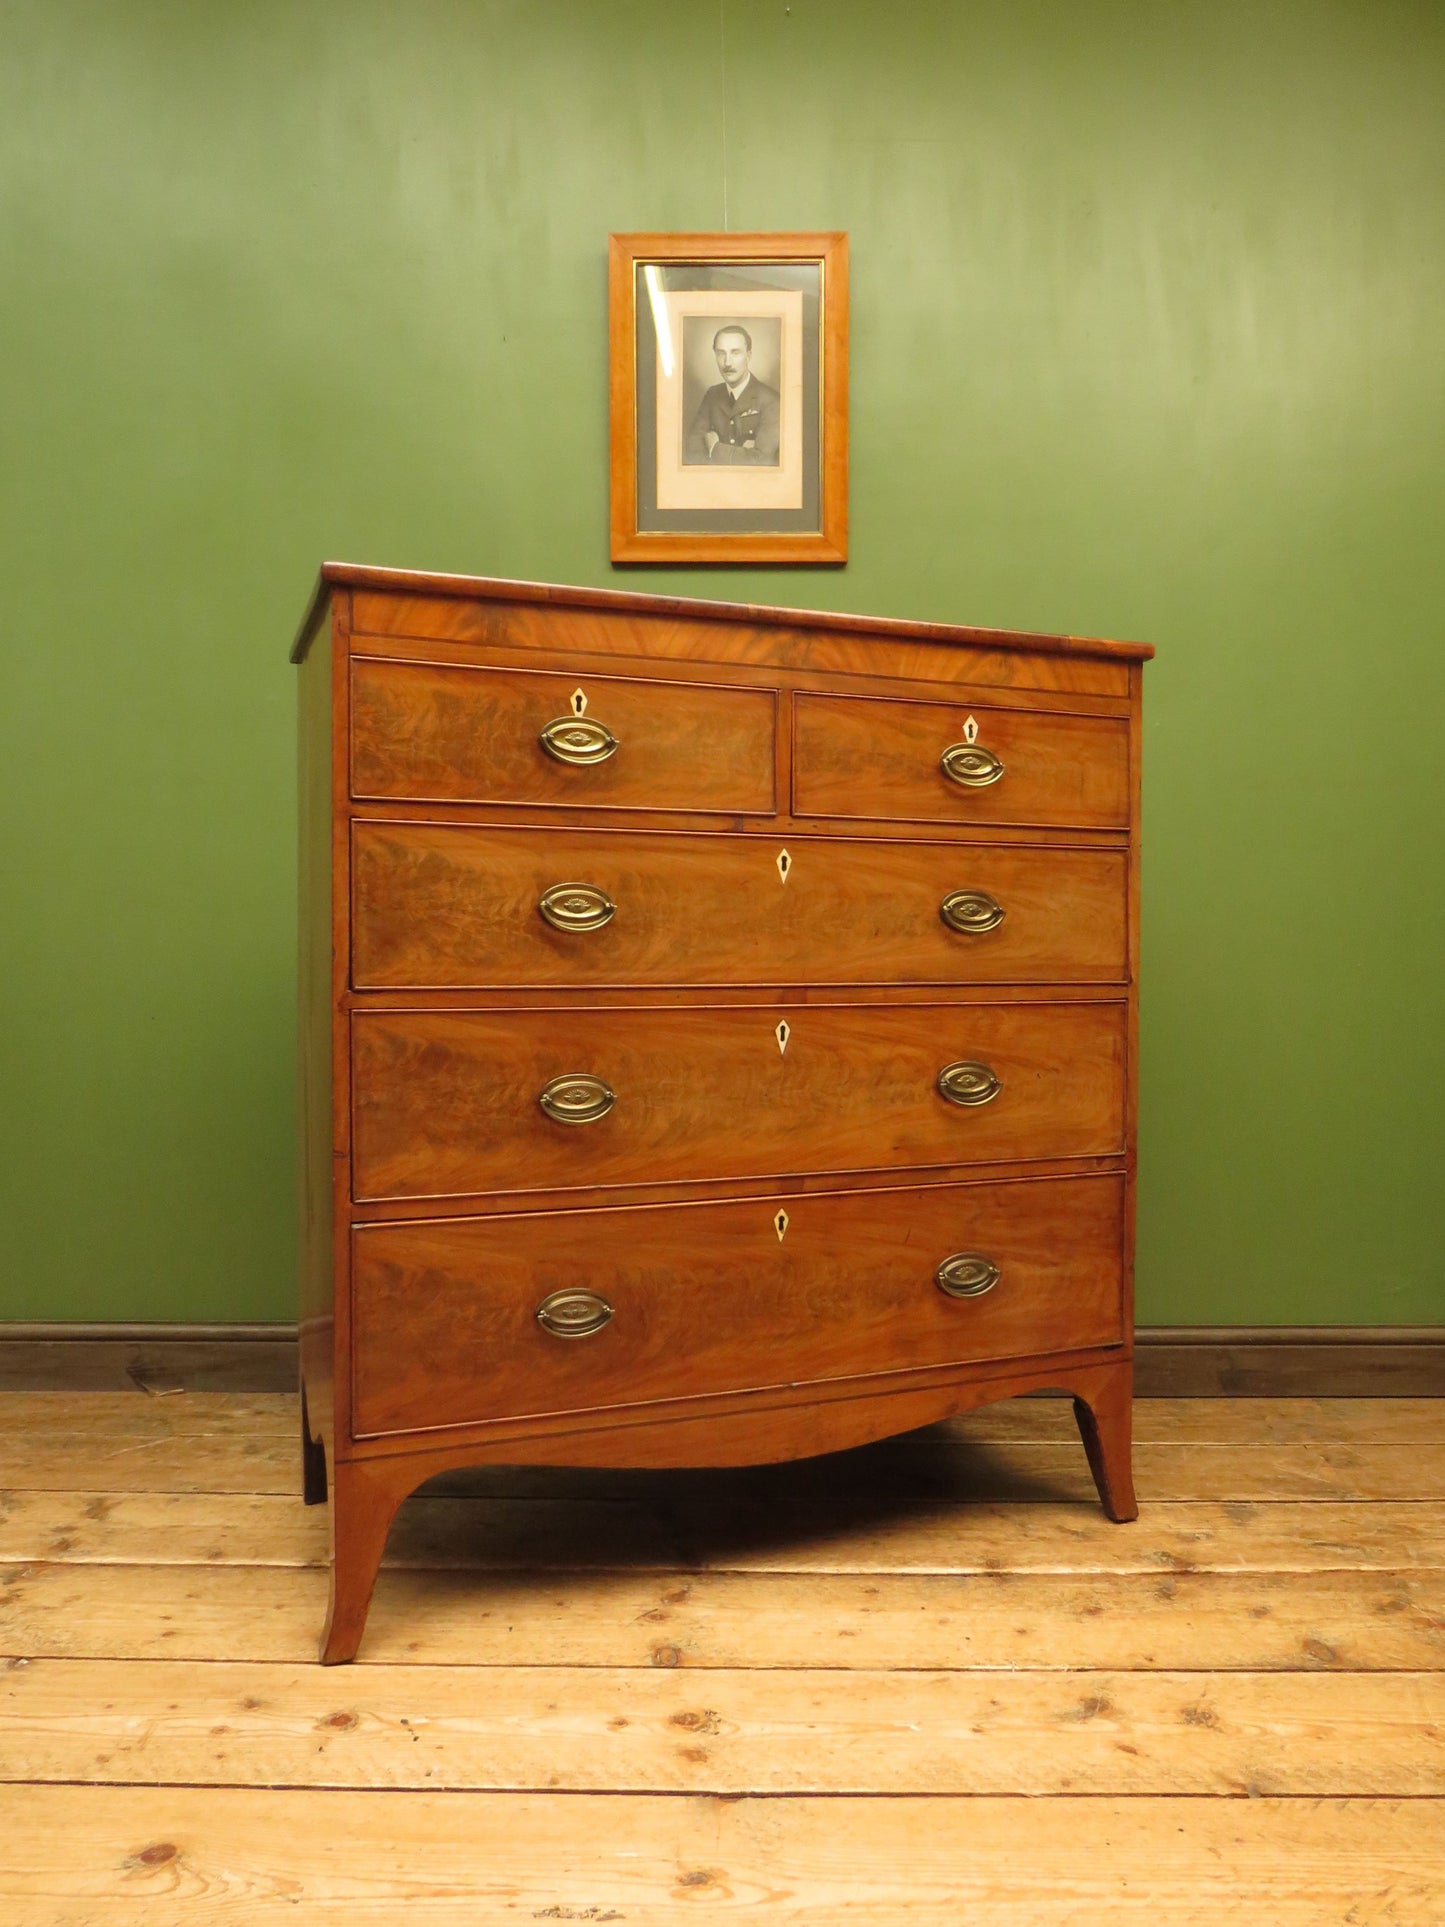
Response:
column 451, row 906
column 447, row 1103
column 862, row 757
column 706, row 1299
column 437, row 733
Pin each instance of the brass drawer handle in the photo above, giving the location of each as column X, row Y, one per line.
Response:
column 971, row 911
column 576, row 1098
column 579, row 740
column 576, row 906
column 573, row 1314
column 971, row 765
column 967, row 1274
column 968, row 1083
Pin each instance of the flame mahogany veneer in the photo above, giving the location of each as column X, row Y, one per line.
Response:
column 626, row 1134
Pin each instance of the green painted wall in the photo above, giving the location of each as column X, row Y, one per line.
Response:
column 1148, row 312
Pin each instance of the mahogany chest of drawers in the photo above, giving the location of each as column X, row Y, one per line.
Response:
column 717, row 1035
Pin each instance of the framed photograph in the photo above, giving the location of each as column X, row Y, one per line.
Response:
column 729, row 397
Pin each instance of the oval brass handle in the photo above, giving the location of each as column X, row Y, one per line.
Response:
column 971, row 911
column 573, row 1314
column 576, row 1098
column 970, row 764
column 576, row 906
column 579, row 740
column 968, row 1083
column 967, row 1274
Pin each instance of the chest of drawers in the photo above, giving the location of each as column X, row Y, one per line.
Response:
column 717, row 1035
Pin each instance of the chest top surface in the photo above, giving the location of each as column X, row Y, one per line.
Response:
column 400, row 586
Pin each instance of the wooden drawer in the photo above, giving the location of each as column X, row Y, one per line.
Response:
column 862, row 757
column 445, row 733
column 447, row 1103
column 455, row 906
column 707, row 1299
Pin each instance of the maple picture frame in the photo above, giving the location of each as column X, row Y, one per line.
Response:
column 728, row 397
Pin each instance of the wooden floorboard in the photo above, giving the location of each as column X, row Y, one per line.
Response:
column 840, row 1532
column 1280, row 1621
column 147, row 1857
column 924, row 1682
column 954, row 1468
column 640, row 1730
column 136, row 1418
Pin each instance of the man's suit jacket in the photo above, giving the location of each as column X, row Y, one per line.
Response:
column 746, row 429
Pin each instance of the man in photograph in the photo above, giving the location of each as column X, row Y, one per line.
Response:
column 736, row 423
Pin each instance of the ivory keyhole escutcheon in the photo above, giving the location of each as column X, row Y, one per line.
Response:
column 782, row 1033
column 785, row 863
column 780, row 1225
column 970, row 729
column 579, row 703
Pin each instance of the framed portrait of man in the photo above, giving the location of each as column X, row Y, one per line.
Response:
column 729, row 397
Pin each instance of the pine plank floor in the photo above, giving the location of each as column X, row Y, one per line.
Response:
column 920, row 1683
